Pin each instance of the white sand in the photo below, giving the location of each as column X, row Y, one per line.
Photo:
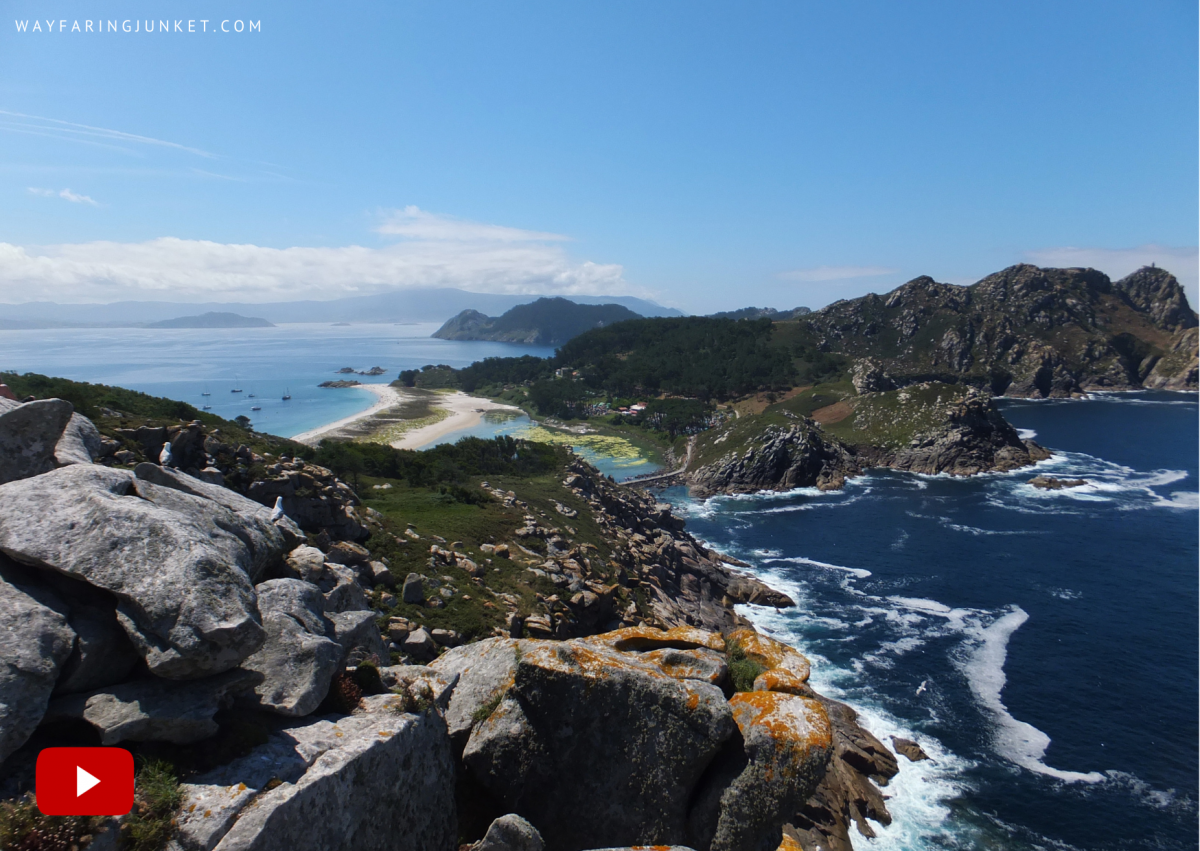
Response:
column 389, row 397
column 465, row 412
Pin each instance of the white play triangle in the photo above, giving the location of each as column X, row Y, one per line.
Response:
column 83, row 781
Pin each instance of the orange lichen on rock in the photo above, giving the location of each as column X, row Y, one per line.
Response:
column 784, row 681
column 703, row 665
column 637, row 638
column 797, row 724
column 771, row 654
column 789, row 843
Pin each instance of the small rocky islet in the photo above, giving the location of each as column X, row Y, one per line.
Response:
column 170, row 610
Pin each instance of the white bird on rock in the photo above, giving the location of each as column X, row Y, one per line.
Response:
column 164, row 457
column 277, row 511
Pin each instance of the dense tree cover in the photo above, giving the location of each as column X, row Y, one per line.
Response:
column 431, row 376
column 88, row 399
column 448, row 467
column 491, row 372
column 689, row 356
column 674, row 416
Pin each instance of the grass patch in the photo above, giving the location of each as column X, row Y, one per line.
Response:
column 157, row 797
column 743, row 670
column 484, row 712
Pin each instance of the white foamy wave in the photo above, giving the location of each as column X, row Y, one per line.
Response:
column 859, row 572
column 767, row 553
column 899, row 543
column 1146, row 795
column 1017, row 741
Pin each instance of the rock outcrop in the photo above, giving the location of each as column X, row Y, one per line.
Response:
column 39, row 436
column 779, row 458
column 181, row 565
column 627, row 738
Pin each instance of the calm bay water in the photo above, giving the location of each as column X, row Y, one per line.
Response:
column 1041, row 646
column 267, row 362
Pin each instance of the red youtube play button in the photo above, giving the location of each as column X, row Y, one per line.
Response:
column 85, row 781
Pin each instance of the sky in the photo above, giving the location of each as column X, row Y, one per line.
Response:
column 705, row 155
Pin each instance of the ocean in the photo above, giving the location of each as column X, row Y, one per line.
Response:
column 269, row 363
column 1041, row 646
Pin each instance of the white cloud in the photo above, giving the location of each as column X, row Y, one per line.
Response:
column 1181, row 261
column 835, row 273
column 192, row 270
column 65, row 194
column 415, row 223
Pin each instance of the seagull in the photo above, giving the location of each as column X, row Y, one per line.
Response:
column 921, row 687
column 164, row 457
column 277, row 511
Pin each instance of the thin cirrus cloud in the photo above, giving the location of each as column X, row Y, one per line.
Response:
column 435, row 251
column 55, row 128
column 65, row 194
column 835, row 273
column 415, row 223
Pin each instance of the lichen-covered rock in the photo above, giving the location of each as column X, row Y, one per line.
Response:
column 386, row 782
column 596, row 746
column 787, row 744
column 179, row 555
column 771, row 654
column 358, row 636
column 35, row 641
column 298, row 658
column 485, row 670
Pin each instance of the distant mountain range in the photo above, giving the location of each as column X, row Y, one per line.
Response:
column 212, row 320
column 761, row 313
column 416, row 305
column 545, row 322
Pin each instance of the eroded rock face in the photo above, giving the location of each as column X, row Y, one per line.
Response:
column 35, row 641
column 298, row 658
column 154, row 710
column 387, row 781
column 634, row 741
column 179, row 555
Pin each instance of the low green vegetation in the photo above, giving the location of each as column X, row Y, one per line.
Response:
column 24, row 828
column 743, row 670
column 157, row 797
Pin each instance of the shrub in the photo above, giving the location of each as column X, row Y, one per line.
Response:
column 743, row 671
column 24, row 828
column 344, row 693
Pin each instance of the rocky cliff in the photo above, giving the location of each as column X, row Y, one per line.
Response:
column 926, row 428
column 545, row 322
column 151, row 607
column 1024, row 331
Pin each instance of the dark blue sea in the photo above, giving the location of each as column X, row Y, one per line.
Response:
column 1041, row 646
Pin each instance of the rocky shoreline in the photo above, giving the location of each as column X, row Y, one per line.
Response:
column 152, row 606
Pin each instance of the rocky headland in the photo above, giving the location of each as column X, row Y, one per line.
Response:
column 316, row 672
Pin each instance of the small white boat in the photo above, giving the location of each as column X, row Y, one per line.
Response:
column 208, row 407
column 256, row 408
column 287, row 395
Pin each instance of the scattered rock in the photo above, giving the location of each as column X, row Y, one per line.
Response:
column 908, row 748
column 414, row 589
column 510, row 833
column 1052, row 484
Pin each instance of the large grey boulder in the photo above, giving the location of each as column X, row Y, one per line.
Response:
column 29, row 435
column 179, row 555
column 484, row 670
column 35, row 641
column 387, row 781
column 80, row 442
column 510, row 833
column 358, row 636
column 597, row 747
column 298, row 658
column 154, row 710
column 305, row 562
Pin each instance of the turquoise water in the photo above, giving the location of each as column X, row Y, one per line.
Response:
column 267, row 362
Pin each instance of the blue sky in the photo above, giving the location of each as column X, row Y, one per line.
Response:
column 706, row 155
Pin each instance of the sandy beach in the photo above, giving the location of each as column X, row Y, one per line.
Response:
column 456, row 411
column 465, row 412
column 389, row 397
